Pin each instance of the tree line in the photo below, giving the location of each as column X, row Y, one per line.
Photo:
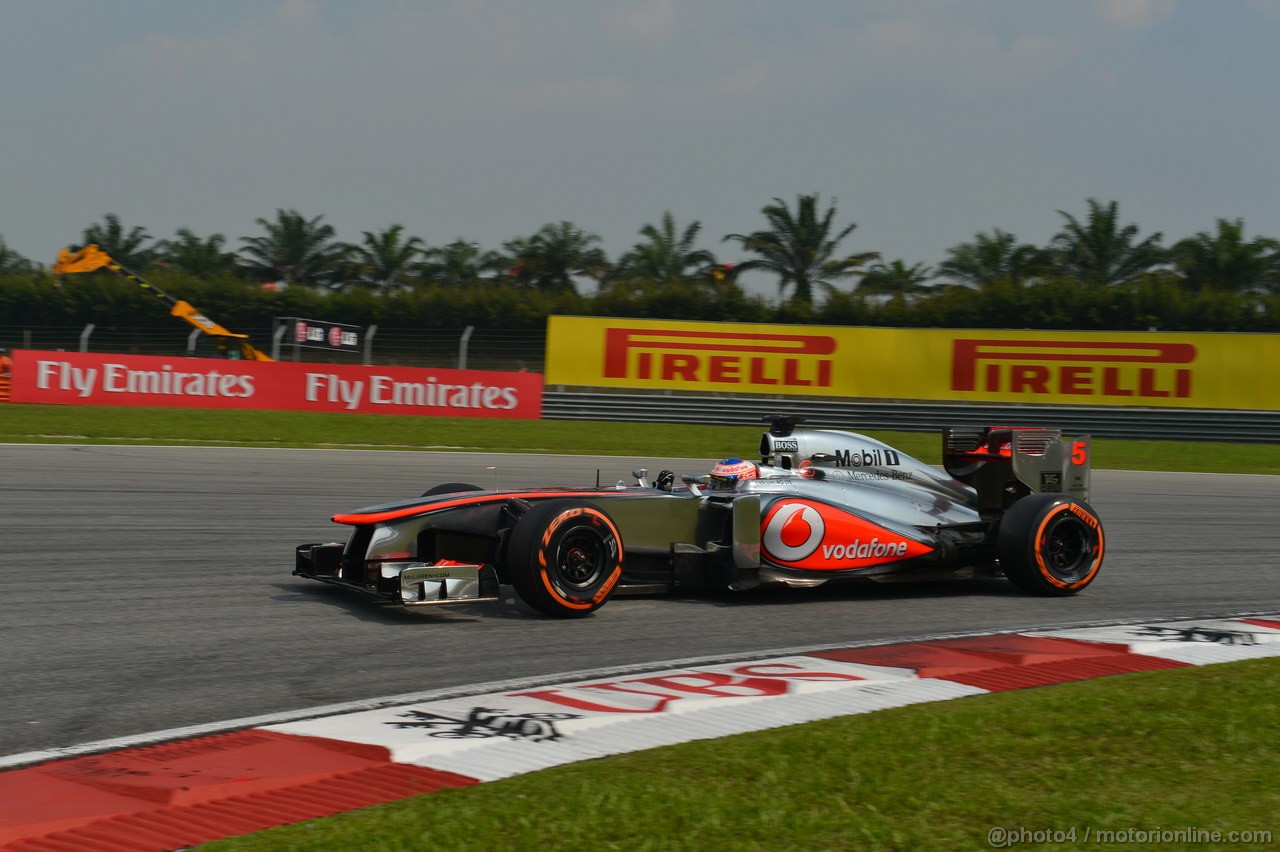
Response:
column 1096, row 272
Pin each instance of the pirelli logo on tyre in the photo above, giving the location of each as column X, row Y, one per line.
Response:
column 1139, row 371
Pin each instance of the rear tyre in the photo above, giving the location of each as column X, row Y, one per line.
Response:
column 1050, row 544
column 564, row 558
column 450, row 488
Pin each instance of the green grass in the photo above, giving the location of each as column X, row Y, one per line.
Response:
column 122, row 425
column 1190, row 747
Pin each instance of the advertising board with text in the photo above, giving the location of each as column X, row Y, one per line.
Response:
column 1183, row 370
column 320, row 334
column 74, row 378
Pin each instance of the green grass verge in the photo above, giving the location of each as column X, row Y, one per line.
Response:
column 1172, row 749
column 122, row 425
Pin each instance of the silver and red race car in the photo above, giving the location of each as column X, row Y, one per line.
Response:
column 820, row 506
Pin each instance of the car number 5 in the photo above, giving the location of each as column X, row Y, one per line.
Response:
column 1079, row 452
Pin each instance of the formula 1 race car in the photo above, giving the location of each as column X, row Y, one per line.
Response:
column 821, row 505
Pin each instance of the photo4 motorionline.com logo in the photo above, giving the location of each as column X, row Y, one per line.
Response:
column 1005, row 837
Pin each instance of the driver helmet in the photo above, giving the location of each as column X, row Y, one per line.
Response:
column 729, row 472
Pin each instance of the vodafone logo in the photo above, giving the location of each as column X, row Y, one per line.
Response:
column 820, row 537
column 793, row 532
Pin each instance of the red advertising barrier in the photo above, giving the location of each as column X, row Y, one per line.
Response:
column 76, row 378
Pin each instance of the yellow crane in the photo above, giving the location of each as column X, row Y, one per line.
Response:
column 91, row 258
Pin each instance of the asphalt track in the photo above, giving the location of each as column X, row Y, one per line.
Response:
column 148, row 588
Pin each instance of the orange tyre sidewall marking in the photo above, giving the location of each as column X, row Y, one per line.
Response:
column 601, row 595
column 556, row 523
column 1090, row 521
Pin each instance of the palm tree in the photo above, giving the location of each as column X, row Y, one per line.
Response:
column 997, row 256
column 295, row 249
column 124, row 247
column 895, row 278
column 384, row 258
column 201, row 258
column 553, row 256
column 665, row 257
column 460, row 264
column 1101, row 251
column 800, row 248
column 1226, row 261
column 12, row 263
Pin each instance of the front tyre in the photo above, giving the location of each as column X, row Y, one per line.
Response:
column 1050, row 544
column 564, row 558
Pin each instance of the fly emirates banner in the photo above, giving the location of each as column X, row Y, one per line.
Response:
column 1184, row 370
column 74, row 378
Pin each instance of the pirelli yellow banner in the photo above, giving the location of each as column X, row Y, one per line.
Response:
column 968, row 365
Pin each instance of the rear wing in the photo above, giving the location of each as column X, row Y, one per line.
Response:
column 1005, row 463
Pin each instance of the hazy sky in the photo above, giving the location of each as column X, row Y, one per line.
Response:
column 926, row 120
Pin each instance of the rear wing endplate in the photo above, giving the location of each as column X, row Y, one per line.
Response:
column 995, row 459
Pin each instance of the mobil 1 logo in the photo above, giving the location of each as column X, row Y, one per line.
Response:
column 868, row 458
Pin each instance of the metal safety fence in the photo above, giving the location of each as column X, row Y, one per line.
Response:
column 467, row 348
column 1104, row 422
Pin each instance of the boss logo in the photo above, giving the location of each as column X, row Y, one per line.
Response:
column 786, row 445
